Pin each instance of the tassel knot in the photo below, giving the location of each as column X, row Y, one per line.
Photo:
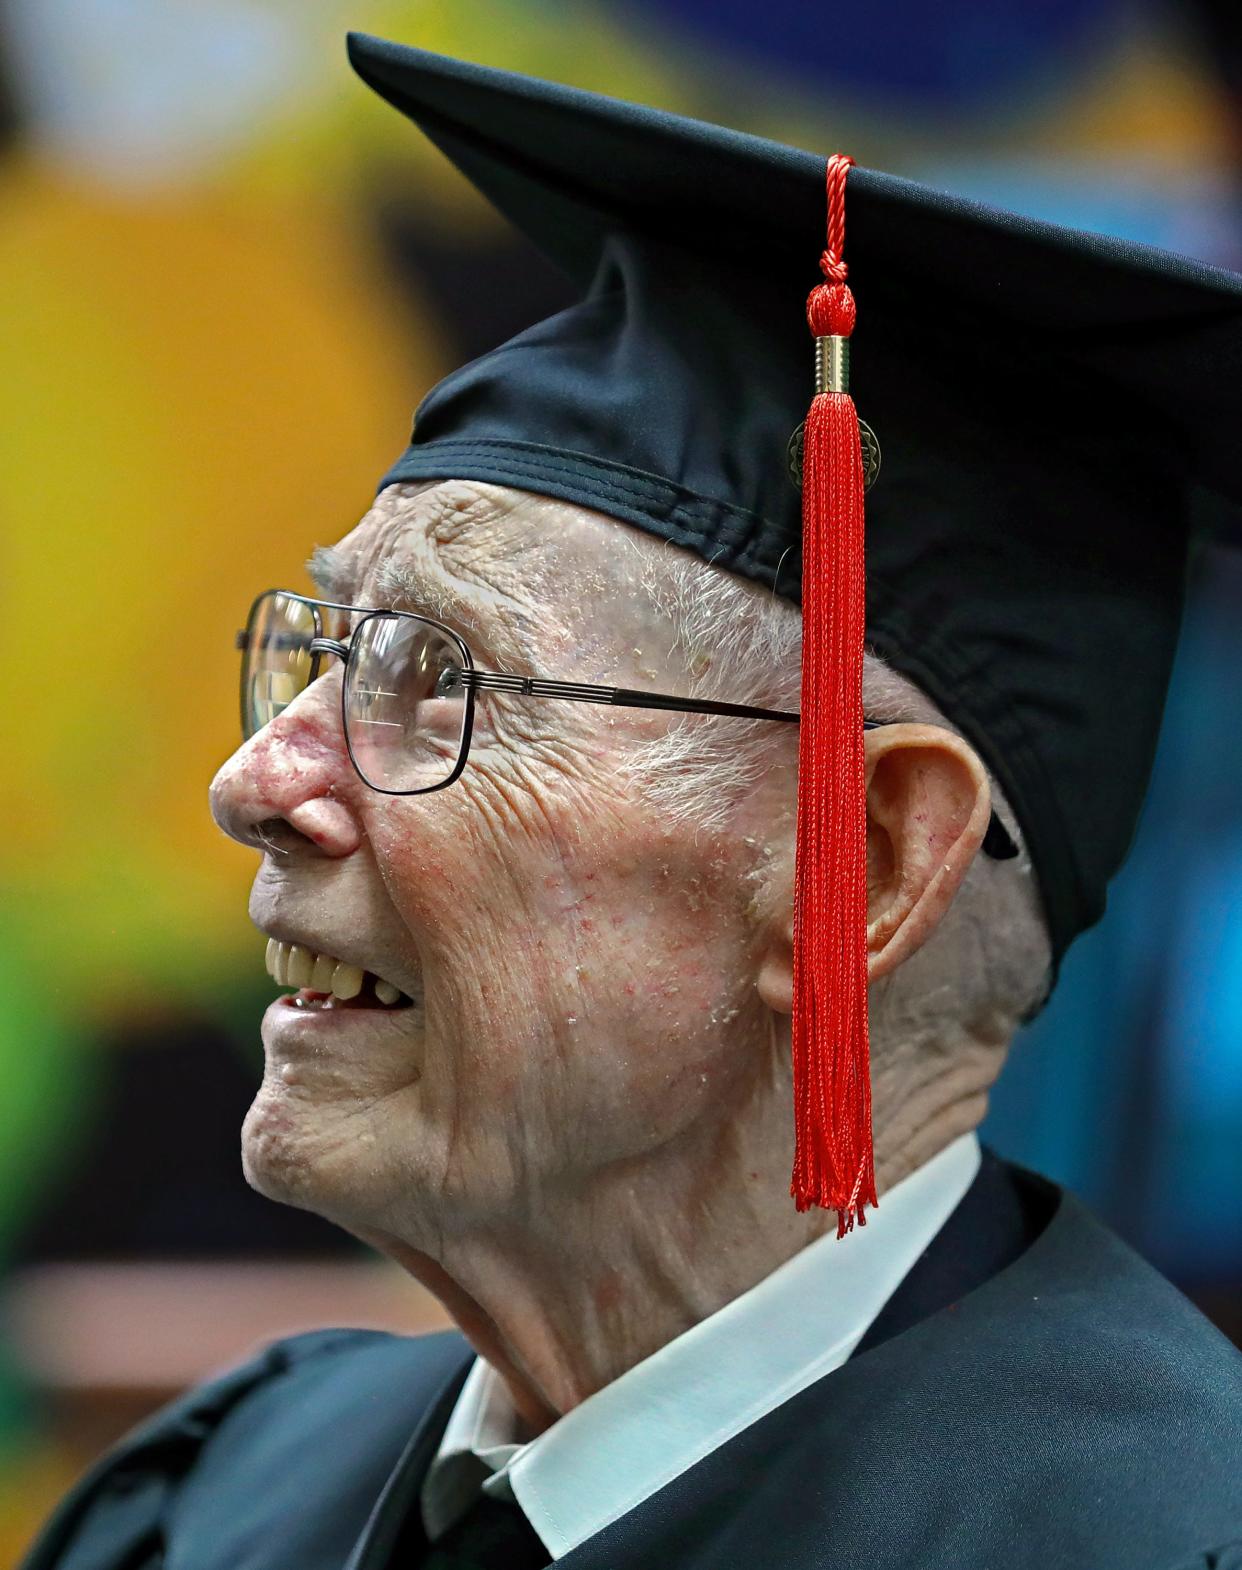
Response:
column 830, row 310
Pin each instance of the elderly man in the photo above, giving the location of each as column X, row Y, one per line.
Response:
column 525, row 781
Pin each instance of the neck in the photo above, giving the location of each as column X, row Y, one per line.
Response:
column 564, row 1295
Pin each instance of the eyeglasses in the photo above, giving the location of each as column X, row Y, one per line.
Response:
column 409, row 688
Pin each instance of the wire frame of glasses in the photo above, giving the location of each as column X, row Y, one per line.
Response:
column 405, row 709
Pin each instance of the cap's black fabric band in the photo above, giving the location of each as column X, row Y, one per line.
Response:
column 730, row 536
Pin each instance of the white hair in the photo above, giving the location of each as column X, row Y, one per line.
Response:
column 988, row 964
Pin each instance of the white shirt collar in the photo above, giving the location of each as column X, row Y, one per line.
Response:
column 666, row 1413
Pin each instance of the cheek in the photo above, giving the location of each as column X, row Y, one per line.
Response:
column 641, row 914
column 667, row 956
column 654, row 943
column 605, row 942
column 424, row 852
column 426, row 878
column 491, row 850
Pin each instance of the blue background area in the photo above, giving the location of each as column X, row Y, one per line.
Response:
column 1129, row 1086
column 952, row 56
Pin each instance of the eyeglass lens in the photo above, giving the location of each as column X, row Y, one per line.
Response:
column 405, row 705
column 276, row 662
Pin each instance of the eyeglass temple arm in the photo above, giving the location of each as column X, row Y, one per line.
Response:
column 997, row 841
column 623, row 697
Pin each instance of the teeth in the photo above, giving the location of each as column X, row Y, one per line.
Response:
column 321, row 974
column 294, row 965
column 298, row 970
column 347, row 981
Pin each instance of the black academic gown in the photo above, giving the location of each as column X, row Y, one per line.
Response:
column 1034, row 1397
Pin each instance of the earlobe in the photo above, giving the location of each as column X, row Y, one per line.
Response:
column 774, row 982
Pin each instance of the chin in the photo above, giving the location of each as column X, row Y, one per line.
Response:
column 299, row 1153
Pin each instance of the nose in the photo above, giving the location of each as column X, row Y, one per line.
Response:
column 291, row 788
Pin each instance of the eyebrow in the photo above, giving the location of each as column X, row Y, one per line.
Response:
column 398, row 585
column 331, row 573
column 401, row 586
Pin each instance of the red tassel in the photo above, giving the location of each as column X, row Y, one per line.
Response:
column 833, row 1161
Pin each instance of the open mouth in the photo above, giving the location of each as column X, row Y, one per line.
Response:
column 321, row 981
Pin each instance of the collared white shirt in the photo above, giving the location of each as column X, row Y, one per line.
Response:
column 666, row 1413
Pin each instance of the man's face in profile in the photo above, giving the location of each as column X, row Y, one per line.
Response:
column 581, row 970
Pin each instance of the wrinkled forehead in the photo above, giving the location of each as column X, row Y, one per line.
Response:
column 525, row 572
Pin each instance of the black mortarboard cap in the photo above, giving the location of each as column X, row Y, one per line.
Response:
column 1055, row 409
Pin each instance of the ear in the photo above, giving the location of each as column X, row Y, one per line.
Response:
column 928, row 805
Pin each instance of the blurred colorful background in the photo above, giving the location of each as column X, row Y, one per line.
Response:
column 228, row 274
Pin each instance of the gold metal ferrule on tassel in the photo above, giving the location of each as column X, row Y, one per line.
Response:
column 832, row 365
column 832, row 375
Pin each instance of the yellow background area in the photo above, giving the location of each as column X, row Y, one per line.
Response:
column 198, row 390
